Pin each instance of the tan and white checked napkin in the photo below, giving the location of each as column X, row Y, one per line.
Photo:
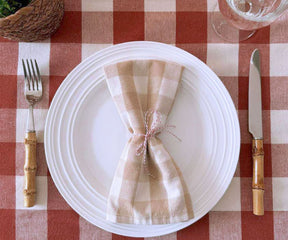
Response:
column 138, row 196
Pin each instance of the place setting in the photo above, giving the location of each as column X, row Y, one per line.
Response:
column 142, row 138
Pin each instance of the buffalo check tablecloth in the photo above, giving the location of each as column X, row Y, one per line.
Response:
column 90, row 25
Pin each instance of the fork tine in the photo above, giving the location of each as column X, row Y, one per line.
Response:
column 39, row 76
column 35, row 83
column 25, row 75
column 31, row 82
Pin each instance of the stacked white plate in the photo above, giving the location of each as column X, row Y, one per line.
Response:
column 84, row 135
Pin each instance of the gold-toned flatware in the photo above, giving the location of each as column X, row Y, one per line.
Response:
column 33, row 94
column 256, row 129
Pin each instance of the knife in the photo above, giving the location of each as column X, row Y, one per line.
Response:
column 255, row 128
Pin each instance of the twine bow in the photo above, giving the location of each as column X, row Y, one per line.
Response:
column 151, row 132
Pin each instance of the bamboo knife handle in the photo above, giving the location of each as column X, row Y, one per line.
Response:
column 30, row 168
column 258, row 177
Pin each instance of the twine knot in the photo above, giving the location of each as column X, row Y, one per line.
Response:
column 151, row 132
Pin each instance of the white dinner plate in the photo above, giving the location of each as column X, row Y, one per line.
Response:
column 84, row 135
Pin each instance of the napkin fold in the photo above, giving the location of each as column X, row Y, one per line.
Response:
column 146, row 189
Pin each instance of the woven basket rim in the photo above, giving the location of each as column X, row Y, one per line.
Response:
column 19, row 12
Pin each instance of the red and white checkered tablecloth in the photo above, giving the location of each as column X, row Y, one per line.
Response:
column 90, row 25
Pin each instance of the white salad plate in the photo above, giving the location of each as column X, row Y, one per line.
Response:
column 84, row 135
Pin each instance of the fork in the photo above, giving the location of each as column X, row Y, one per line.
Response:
column 33, row 94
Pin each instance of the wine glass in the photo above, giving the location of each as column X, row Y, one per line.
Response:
column 237, row 20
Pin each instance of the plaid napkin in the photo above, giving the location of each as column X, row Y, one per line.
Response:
column 147, row 188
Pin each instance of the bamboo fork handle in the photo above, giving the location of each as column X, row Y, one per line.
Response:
column 258, row 177
column 30, row 168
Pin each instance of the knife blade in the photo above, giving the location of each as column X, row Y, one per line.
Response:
column 255, row 100
column 256, row 129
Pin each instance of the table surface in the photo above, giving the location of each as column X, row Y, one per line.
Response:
column 90, row 25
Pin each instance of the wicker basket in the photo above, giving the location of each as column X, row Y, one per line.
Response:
column 37, row 21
